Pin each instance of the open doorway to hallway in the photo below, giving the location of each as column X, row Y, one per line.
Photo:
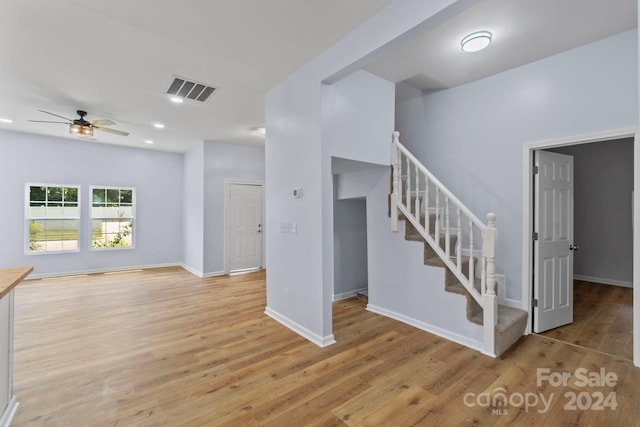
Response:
column 602, row 279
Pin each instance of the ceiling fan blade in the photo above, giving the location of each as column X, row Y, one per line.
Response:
column 54, row 114
column 114, row 131
column 46, row 121
column 102, row 122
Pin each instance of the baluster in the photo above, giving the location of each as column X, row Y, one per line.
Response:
column 458, row 244
column 427, row 219
column 471, row 270
column 417, row 202
column 408, row 199
column 400, row 175
column 395, row 195
column 483, row 276
column 447, row 232
column 437, row 225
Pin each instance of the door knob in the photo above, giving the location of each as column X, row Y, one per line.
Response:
column 573, row 247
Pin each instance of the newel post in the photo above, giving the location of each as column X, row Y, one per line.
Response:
column 395, row 158
column 489, row 297
column 488, row 252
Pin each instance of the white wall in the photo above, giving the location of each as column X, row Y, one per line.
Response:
column 603, row 176
column 471, row 136
column 300, row 266
column 193, row 202
column 224, row 161
column 206, row 167
column 400, row 284
column 156, row 176
column 350, row 247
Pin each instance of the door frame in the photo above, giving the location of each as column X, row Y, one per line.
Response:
column 527, row 217
column 227, row 185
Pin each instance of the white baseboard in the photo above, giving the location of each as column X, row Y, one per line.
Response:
column 9, row 413
column 318, row 340
column 348, row 294
column 100, row 270
column 604, row 281
column 200, row 273
column 214, row 274
column 451, row 336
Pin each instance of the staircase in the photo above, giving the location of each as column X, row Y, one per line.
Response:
column 448, row 228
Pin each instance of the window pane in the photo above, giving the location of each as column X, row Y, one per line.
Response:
column 70, row 211
column 54, row 194
column 70, row 194
column 112, row 233
column 126, row 196
column 99, row 195
column 37, row 194
column 113, row 196
column 53, row 235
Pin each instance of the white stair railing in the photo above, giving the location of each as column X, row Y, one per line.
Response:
column 422, row 198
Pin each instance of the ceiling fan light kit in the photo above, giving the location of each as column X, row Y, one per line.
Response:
column 81, row 130
column 82, row 127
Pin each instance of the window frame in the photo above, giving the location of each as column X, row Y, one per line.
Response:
column 133, row 217
column 28, row 218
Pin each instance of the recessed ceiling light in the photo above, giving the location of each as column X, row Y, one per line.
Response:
column 158, row 125
column 3, row 120
column 176, row 100
column 476, row 41
column 148, row 141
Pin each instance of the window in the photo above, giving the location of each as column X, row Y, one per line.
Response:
column 112, row 217
column 53, row 216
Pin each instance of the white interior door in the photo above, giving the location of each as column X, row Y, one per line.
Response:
column 244, row 226
column 553, row 247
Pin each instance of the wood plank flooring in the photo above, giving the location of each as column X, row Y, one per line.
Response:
column 602, row 319
column 163, row 347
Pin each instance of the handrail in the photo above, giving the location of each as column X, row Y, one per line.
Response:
column 437, row 182
column 414, row 207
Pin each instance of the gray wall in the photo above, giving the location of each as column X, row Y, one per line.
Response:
column 472, row 136
column 350, row 247
column 156, row 176
column 603, row 174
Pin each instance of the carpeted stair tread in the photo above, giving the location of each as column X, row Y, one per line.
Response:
column 511, row 321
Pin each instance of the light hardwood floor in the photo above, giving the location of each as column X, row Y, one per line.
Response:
column 162, row 347
column 602, row 319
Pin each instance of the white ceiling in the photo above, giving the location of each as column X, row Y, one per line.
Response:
column 116, row 59
column 523, row 31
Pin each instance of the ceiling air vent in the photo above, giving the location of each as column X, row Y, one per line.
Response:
column 190, row 90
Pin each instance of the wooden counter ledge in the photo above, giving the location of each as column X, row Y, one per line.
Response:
column 10, row 277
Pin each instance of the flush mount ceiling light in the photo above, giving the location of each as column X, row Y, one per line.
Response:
column 148, row 141
column 261, row 130
column 158, row 125
column 3, row 120
column 176, row 100
column 476, row 41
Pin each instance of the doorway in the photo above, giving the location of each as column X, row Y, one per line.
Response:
column 244, row 229
column 587, row 242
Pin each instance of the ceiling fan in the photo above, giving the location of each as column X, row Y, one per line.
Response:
column 82, row 127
